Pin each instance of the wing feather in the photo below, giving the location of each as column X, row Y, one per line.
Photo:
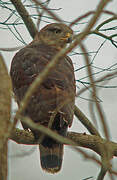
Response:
column 58, row 86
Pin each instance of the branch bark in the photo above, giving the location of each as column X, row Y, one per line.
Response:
column 85, row 121
column 5, row 108
column 76, row 139
column 25, row 17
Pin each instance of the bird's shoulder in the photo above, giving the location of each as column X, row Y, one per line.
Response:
column 31, row 60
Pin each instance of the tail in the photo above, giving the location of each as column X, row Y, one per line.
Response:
column 51, row 157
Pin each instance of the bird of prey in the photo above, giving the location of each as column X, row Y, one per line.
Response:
column 56, row 92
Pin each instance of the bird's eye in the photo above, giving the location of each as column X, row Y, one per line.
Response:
column 55, row 30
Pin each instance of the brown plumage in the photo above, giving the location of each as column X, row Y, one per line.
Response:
column 58, row 87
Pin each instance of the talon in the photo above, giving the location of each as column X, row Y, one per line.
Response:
column 50, row 112
column 61, row 112
column 65, row 120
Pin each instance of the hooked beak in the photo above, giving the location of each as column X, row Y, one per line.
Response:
column 68, row 38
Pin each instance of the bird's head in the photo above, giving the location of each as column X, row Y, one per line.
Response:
column 55, row 34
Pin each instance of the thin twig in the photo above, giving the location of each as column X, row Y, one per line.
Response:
column 40, row 14
column 91, row 13
column 97, row 81
column 11, row 49
column 94, row 94
column 105, row 22
column 55, row 17
column 105, row 36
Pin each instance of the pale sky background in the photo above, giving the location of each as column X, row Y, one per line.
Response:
column 24, row 163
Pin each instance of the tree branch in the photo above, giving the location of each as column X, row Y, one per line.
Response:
column 25, row 17
column 5, row 108
column 94, row 93
column 77, row 139
column 102, row 173
column 85, row 121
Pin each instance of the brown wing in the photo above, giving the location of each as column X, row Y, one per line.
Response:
column 58, row 86
column 55, row 90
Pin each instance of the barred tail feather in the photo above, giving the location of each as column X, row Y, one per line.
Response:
column 51, row 158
